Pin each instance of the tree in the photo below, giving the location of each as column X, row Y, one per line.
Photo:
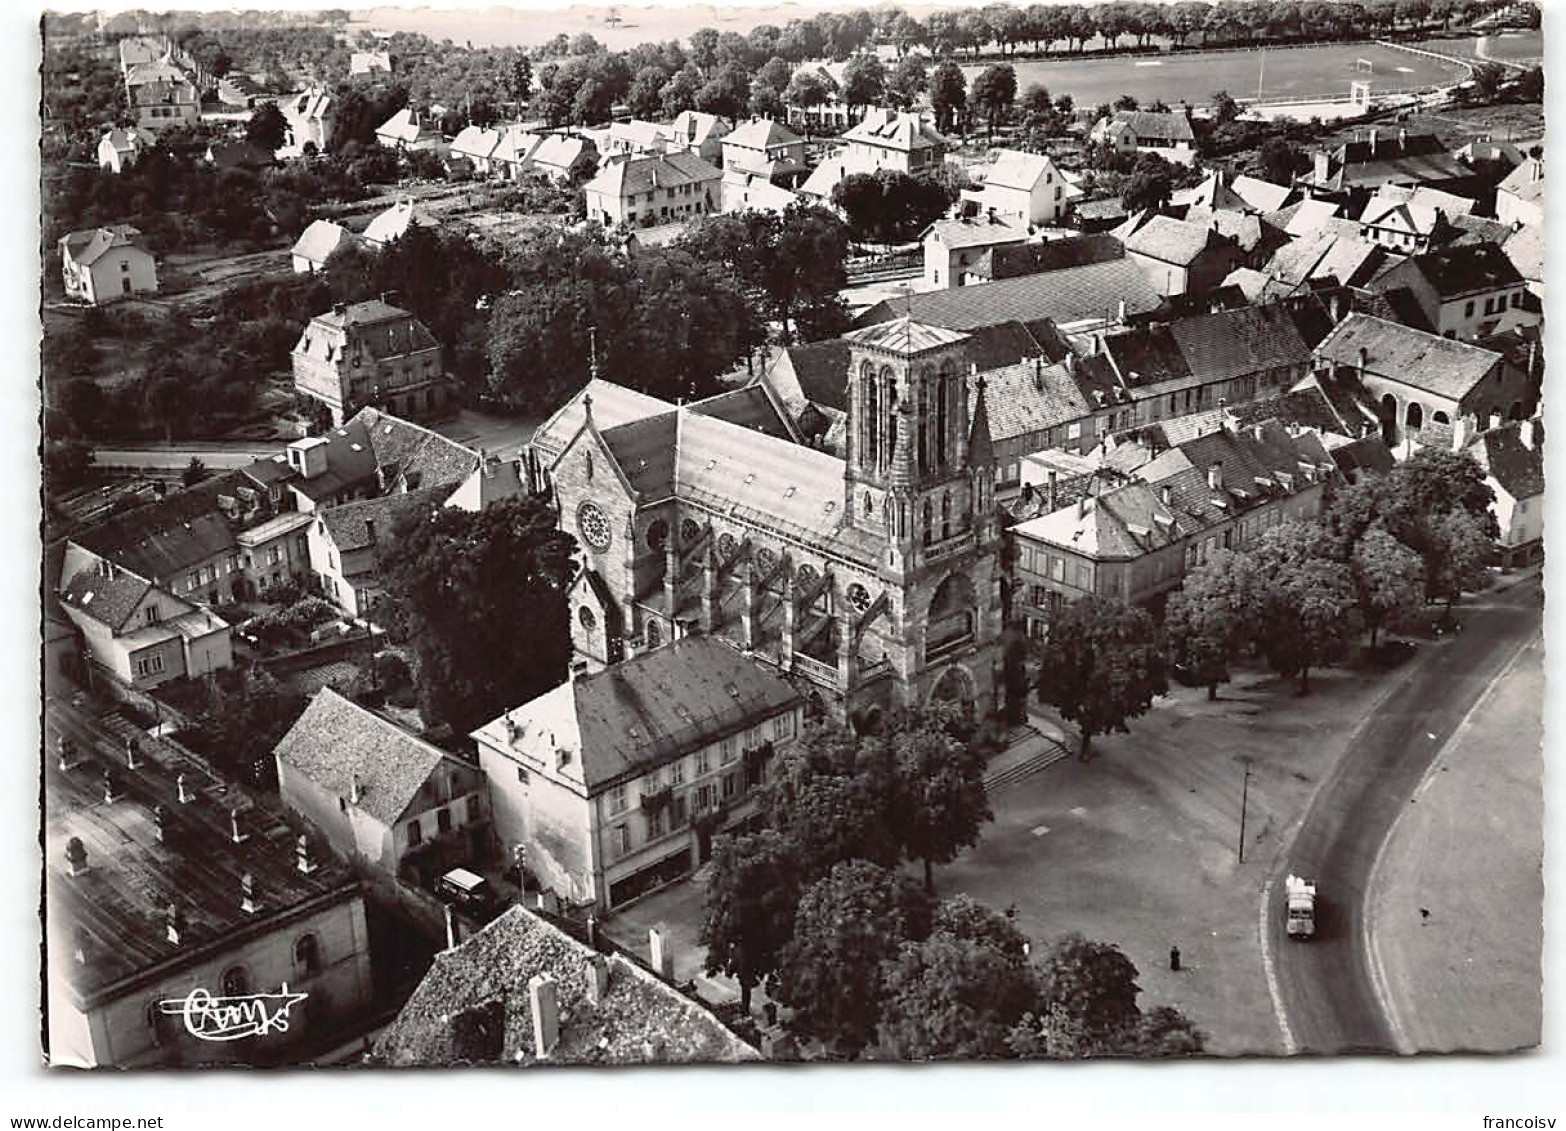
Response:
column 864, row 82
column 726, row 94
column 768, row 87
column 1151, row 184
column 195, row 471
column 939, row 801
column 646, row 94
column 890, row 205
column 1225, row 108
column 994, row 91
column 948, row 95
column 751, row 897
column 848, row 924
column 1485, row 85
column 1088, row 1007
column 807, row 91
column 1460, row 549
column 704, row 48
column 519, row 82
column 242, row 714
column 1212, row 617
column 1310, row 607
column 1101, row 666
column 457, row 583
column 1126, row 102
column 679, row 93
column 1390, row 579
column 831, row 798
column 267, row 127
column 1279, row 160
column 960, row 991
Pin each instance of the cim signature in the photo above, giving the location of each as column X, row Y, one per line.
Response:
column 233, row 1018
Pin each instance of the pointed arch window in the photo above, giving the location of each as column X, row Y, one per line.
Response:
column 942, row 399
column 921, row 423
column 927, row 522
column 946, row 515
column 869, row 428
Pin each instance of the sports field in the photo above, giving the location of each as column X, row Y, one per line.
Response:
column 1506, row 46
column 1305, row 73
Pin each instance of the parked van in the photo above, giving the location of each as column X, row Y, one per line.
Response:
column 462, row 888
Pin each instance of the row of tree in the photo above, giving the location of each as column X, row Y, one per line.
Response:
column 1382, row 550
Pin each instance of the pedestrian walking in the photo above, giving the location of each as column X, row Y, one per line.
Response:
column 1174, row 958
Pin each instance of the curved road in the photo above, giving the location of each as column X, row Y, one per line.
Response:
column 1326, row 989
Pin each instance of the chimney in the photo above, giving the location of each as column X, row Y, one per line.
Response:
column 184, row 791
column 1120, row 313
column 1374, row 134
column 1536, row 171
column 339, row 308
column 1049, row 496
column 304, row 859
column 247, row 894
column 1084, row 504
column 354, row 788
column 1402, row 137
column 68, row 751
column 174, row 923
column 130, row 753
column 1166, row 495
column 543, row 997
column 369, row 531
column 112, row 790
column 75, row 856
column 1323, row 166
column 661, row 954
column 1038, row 373
column 597, row 971
column 160, row 817
column 1364, row 361
column 1215, row 476
column 1525, row 433
column 238, row 834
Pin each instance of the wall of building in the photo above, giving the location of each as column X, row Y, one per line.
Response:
column 128, row 1031
column 352, row 833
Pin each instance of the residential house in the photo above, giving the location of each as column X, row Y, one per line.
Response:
column 316, row 244
column 1513, row 460
column 1014, row 260
column 346, row 542
column 1026, row 188
column 1259, row 195
column 556, row 156
column 237, row 154
column 1418, row 378
column 163, row 104
column 524, row 992
column 1257, row 238
column 165, row 880
column 1101, row 215
column 135, row 50
column 952, row 246
column 636, row 138
column 809, row 380
column 370, row 63
column 381, row 797
column 744, row 191
column 394, row 222
column 1525, row 248
column 1135, row 541
column 1467, row 291
column 1401, row 226
column 1182, row 258
column 1363, row 165
column 699, row 133
column 476, row 145
column 1169, row 135
column 1211, row 193
column 1483, row 150
column 1035, row 405
column 770, row 148
column 833, row 115
column 645, row 191
column 1519, row 199
column 102, row 265
column 311, row 119
column 894, row 139
column 616, row 781
column 119, row 149
column 139, row 634
column 1094, row 294
column 371, row 353
column 407, row 130
column 1324, row 259
column 513, row 153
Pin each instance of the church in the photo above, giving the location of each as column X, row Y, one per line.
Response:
column 871, row 581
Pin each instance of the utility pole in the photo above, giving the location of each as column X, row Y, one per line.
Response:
column 1245, row 791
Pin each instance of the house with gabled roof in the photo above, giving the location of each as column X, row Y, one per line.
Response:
column 104, row 265
column 1183, row 258
column 407, row 130
column 648, row 190
column 513, row 153
column 317, row 243
column 1418, row 379
column 617, row 781
column 1168, row 134
column 382, row 798
column 1466, row 291
column 1027, row 188
column 700, row 133
column 893, row 139
column 1519, row 199
column 138, row 633
column 523, row 992
column 556, row 155
column 1512, row 456
column 311, row 118
column 475, row 145
column 1260, row 195
column 769, row 148
column 953, row 245
column 1376, row 158
column 119, row 149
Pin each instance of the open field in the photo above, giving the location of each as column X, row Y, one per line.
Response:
column 1297, row 72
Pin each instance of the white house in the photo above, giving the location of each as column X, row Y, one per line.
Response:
column 310, row 116
column 105, row 264
column 951, row 246
column 119, row 149
column 317, row 243
column 1027, row 188
column 1519, row 199
column 1144, row 131
column 406, row 130
column 1513, row 460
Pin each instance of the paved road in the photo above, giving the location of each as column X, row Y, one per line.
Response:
column 1326, row 989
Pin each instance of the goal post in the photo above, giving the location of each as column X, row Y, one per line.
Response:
column 1364, row 67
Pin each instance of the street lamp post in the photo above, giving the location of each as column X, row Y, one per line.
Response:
column 1245, row 791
